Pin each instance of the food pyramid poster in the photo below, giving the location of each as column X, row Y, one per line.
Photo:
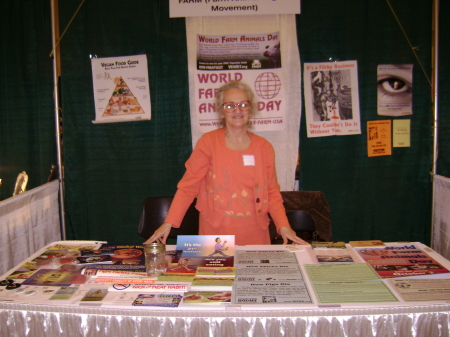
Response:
column 121, row 89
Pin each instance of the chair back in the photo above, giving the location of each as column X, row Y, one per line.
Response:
column 301, row 221
column 308, row 214
column 154, row 212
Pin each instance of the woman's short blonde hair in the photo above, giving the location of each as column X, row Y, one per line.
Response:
column 235, row 85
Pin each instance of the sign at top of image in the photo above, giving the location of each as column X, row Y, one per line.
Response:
column 186, row 8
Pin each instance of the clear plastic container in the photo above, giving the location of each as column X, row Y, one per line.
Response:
column 155, row 258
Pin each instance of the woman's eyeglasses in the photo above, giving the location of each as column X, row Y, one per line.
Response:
column 231, row 107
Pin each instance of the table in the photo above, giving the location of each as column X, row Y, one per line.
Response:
column 381, row 319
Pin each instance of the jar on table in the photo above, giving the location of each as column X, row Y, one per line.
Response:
column 155, row 258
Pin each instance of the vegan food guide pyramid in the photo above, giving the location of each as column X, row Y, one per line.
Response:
column 122, row 101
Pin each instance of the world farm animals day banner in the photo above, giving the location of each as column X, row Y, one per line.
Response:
column 332, row 98
column 252, row 58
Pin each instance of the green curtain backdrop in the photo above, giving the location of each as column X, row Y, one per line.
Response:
column 27, row 131
column 111, row 168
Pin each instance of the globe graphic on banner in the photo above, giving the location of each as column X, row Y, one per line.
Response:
column 267, row 85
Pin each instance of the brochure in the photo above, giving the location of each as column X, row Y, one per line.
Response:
column 95, row 295
column 158, row 300
column 215, row 272
column 212, row 283
column 207, row 297
column 367, row 243
column 51, row 277
column 150, row 288
column 328, row 245
column 64, row 293
column 400, row 260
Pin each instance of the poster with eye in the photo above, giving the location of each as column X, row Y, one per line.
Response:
column 332, row 98
column 394, row 89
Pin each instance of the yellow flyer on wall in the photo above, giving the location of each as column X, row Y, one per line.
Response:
column 121, row 89
column 379, row 138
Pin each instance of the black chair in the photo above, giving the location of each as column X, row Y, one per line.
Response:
column 308, row 214
column 155, row 210
column 302, row 223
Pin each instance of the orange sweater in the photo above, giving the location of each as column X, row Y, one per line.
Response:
column 208, row 176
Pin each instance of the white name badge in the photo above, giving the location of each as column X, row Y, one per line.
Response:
column 249, row 159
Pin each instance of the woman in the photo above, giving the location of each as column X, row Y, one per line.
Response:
column 232, row 173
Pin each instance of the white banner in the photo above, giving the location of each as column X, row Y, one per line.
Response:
column 121, row 89
column 186, row 8
column 282, row 109
column 257, row 60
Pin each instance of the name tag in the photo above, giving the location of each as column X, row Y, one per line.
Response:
column 248, row 159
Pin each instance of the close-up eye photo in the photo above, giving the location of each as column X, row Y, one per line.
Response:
column 394, row 89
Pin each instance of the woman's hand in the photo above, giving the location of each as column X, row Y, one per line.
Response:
column 161, row 234
column 287, row 233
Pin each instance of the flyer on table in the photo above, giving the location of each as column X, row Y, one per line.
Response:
column 121, row 89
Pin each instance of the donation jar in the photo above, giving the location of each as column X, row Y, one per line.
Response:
column 155, row 262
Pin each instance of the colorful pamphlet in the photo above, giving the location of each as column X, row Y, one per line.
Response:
column 204, row 251
column 400, row 260
column 51, row 277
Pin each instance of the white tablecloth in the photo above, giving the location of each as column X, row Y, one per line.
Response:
column 42, row 320
column 28, row 222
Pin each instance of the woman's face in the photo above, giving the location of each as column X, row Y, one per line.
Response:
column 238, row 118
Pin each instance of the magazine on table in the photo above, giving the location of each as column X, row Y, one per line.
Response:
column 399, row 260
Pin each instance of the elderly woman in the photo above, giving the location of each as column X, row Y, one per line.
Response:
column 232, row 173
